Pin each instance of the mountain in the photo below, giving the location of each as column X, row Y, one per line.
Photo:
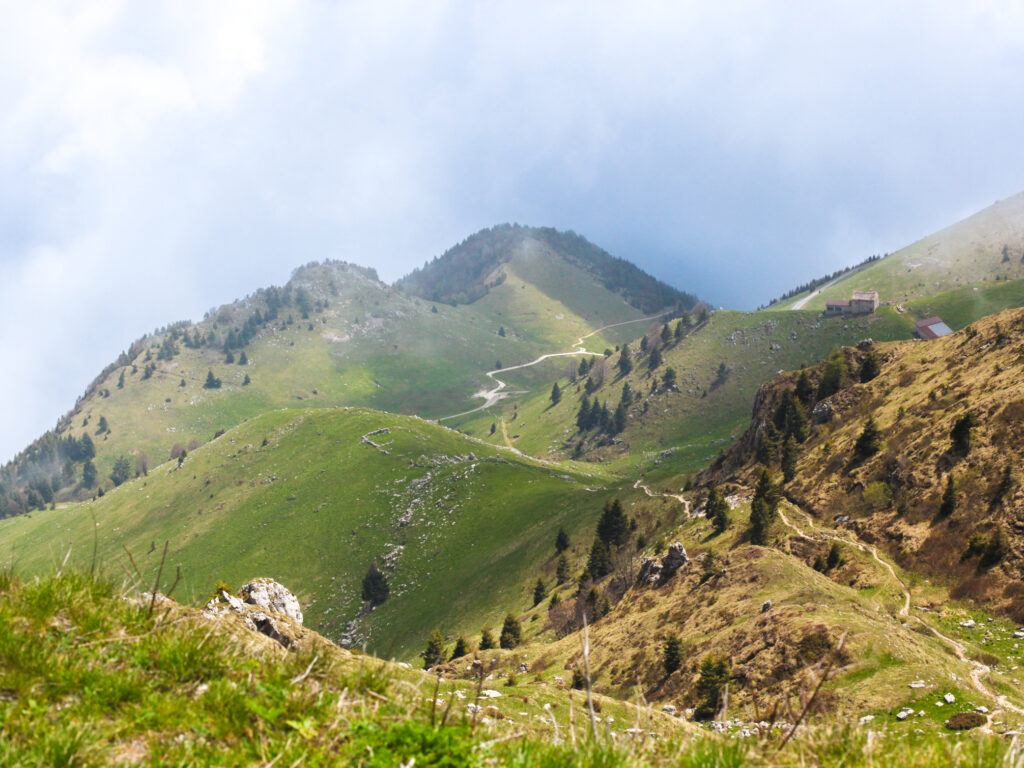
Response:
column 949, row 409
column 983, row 249
column 333, row 335
column 483, row 261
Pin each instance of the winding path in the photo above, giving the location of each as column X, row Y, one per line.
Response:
column 978, row 669
column 491, row 396
column 682, row 500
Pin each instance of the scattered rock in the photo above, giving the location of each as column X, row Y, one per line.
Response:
column 969, row 624
column 982, row 709
column 669, row 709
column 916, row 684
column 766, row 606
column 654, row 572
column 822, row 413
column 949, row 698
column 866, row 719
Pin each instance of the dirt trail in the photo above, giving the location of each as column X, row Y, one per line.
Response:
column 491, row 396
column 978, row 669
column 800, row 304
column 682, row 500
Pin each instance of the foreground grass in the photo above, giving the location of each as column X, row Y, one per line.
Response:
column 90, row 678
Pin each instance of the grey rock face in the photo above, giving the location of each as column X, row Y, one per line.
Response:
column 271, row 596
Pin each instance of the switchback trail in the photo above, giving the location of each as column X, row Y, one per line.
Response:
column 491, row 396
column 978, row 670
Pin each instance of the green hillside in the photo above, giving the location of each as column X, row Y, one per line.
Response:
column 460, row 528
column 333, row 335
column 984, row 248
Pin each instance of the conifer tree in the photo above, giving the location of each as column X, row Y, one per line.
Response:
column 120, row 380
column 672, row 654
column 375, row 586
column 625, row 363
column 434, row 654
column 948, row 505
column 583, row 415
column 556, row 394
column 655, row 359
column 511, row 633
column 789, row 456
column 1004, row 486
column 869, row 442
column 835, row 557
column 539, row 591
column 562, row 570
column 869, row 368
column 487, row 640
column 612, row 526
column 599, row 562
column 666, row 333
column 768, row 445
column 717, row 510
column 960, row 434
column 89, row 474
column 461, row 648
column 804, row 389
column 619, row 418
column 561, row 541
column 714, row 674
column 242, row 359
column 680, row 330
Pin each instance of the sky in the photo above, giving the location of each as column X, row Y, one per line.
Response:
column 158, row 159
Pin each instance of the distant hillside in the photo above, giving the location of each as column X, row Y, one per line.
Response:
column 468, row 271
column 893, row 491
column 333, row 335
column 314, row 497
column 984, row 248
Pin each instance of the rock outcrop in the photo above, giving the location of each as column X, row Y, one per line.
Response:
column 263, row 606
column 655, row 572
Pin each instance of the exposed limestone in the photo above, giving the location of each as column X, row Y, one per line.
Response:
column 271, row 596
column 655, row 572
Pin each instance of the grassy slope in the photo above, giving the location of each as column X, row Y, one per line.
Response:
column 372, row 346
column 314, row 506
column 725, row 616
column 923, row 388
column 965, row 253
column 178, row 689
column 691, row 424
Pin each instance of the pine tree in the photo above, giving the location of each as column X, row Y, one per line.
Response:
column 768, row 445
column 627, row 395
column 960, row 434
column 619, row 418
column 434, row 652
column 511, row 633
column 246, row 381
column 714, row 675
column 759, row 522
column 869, row 442
column 666, row 333
column 561, row 541
column 375, row 586
column 804, row 390
column 122, row 471
column 556, row 394
column 120, row 380
column 583, row 415
column 869, row 368
column 789, row 456
column 229, row 357
column 835, row 376
column 948, row 505
column 672, row 654
column 835, row 557
column 562, row 570
column 487, row 640
column 612, row 526
column 599, row 561
column 717, row 510
column 461, row 648
column 242, row 359
column 625, row 360
column 669, row 378
column 89, row 474
column 655, row 359
column 680, row 330
column 539, row 591
column 996, row 549
column 212, row 382
column 1004, row 486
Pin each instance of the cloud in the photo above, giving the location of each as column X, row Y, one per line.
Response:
column 157, row 159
